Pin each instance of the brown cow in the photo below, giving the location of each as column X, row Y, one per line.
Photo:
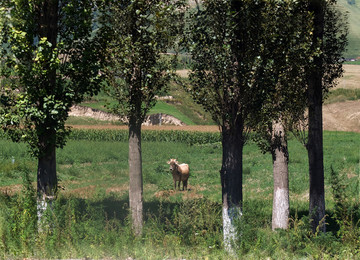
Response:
column 180, row 173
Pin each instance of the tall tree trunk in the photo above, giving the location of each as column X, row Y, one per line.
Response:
column 46, row 175
column 135, row 174
column 316, row 163
column 47, row 15
column 281, row 206
column 315, row 139
column 231, row 182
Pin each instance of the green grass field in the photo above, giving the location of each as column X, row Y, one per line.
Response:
column 353, row 11
column 91, row 217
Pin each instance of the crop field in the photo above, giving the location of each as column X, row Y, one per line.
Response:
column 91, row 216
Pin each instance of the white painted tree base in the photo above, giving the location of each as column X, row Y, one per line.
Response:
column 281, row 207
column 42, row 205
column 230, row 216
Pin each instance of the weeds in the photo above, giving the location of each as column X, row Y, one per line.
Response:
column 346, row 211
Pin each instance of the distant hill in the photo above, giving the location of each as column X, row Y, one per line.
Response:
column 352, row 7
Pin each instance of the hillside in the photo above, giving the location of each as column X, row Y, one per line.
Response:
column 341, row 110
column 352, row 7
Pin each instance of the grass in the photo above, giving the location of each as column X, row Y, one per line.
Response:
column 182, row 106
column 163, row 107
column 341, row 95
column 77, row 120
column 353, row 49
column 91, row 217
column 357, row 62
column 186, row 105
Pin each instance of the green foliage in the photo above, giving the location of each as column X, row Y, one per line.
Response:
column 333, row 45
column 138, row 66
column 286, row 54
column 47, row 65
column 236, row 48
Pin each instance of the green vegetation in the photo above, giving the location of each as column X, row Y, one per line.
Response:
column 353, row 49
column 184, row 137
column 78, row 120
column 341, row 95
column 181, row 106
column 163, row 107
column 91, row 214
column 357, row 62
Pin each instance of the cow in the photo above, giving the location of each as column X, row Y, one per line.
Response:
column 180, row 173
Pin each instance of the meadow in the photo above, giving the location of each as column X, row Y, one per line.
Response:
column 91, row 220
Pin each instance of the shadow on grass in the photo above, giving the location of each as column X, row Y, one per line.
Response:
column 114, row 208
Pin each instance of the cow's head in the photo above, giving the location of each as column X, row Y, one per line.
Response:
column 172, row 163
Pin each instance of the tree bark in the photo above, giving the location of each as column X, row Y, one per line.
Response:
column 46, row 176
column 231, row 182
column 315, row 137
column 316, row 164
column 281, row 205
column 135, row 174
column 47, row 19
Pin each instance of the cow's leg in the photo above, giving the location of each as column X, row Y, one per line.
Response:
column 179, row 185
column 185, row 185
column 174, row 184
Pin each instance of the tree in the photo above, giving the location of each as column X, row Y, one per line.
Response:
column 227, row 43
column 50, row 59
column 329, row 41
column 284, row 95
column 139, row 68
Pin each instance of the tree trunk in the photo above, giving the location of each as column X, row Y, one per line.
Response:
column 46, row 176
column 231, row 182
column 47, row 22
column 315, row 138
column 281, row 206
column 135, row 174
column 316, row 166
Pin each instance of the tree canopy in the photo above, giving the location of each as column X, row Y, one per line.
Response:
column 51, row 58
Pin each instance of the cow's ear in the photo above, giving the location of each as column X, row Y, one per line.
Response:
column 168, row 162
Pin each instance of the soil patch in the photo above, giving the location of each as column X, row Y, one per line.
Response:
column 343, row 116
column 154, row 119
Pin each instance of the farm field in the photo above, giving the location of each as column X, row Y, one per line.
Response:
column 92, row 217
column 341, row 111
column 351, row 78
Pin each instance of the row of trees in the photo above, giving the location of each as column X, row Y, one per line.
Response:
column 256, row 65
column 259, row 65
